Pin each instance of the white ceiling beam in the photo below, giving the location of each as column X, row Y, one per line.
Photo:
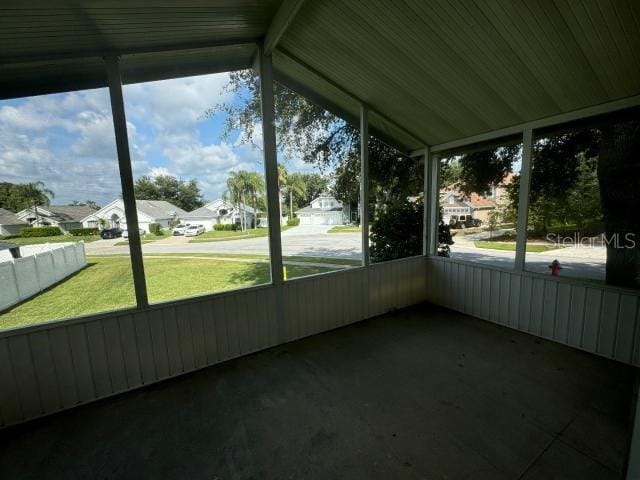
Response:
column 559, row 119
column 281, row 21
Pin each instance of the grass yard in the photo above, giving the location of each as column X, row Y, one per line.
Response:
column 511, row 246
column 55, row 239
column 345, row 229
column 257, row 256
column 107, row 284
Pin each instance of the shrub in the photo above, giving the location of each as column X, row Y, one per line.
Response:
column 397, row 232
column 228, row 227
column 155, row 229
column 78, row 232
column 40, row 232
column 293, row 222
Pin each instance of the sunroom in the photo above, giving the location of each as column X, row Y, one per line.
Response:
column 405, row 343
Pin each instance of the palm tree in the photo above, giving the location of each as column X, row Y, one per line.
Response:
column 295, row 184
column 35, row 193
column 282, row 185
column 256, row 188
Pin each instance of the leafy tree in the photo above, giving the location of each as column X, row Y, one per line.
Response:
column 397, row 232
column 315, row 184
column 295, row 185
column 87, row 203
column 183, row 194
column 18, row 196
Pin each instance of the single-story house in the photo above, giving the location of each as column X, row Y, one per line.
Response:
column 221, row 212
column 9, row 223
column 64, row 217
column 149, row 211
column 326, row 210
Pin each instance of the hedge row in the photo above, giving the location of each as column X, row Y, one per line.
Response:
column 155, row 228
column 79, row 232
column 293, row 222
column 40, row 232
column 226, row 227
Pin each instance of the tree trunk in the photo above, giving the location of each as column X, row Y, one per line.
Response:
column 291, row 204
column 618, row 173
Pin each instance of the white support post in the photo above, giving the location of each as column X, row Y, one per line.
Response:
column 434, row 200
column 523, row 199
column 271, row 165
column 126, row 179
column 426, row 224
column 364, row 182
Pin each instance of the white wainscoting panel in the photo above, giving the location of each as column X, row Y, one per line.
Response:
column 598, row 319
column 52, row 367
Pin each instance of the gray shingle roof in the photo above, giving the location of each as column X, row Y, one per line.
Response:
column 4, row 211
column 67, row 213
column 10, row 220
column 159, row 209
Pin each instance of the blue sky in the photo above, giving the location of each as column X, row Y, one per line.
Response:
column 66, row 140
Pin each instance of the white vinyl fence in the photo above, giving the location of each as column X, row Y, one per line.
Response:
column 40, row 267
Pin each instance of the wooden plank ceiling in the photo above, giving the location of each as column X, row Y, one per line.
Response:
column 435, row 71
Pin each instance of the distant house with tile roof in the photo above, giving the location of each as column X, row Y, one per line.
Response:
column 63, row 216
column 112, row 215
column 457, row 206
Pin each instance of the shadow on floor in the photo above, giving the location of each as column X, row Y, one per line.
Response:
column 420, row 393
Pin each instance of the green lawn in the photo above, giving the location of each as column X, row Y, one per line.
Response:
column 106, row 284
column 257, row 256
column 345, row 229
column 511, row 246
column 55, row 239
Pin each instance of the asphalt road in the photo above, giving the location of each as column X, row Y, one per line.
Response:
column 315, row 242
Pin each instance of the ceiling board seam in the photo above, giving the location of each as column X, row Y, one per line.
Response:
column 347, row 92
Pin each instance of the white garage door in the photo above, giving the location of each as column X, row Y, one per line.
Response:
column 328, row 219
column 305, row 220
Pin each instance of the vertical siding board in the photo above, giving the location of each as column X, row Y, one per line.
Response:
column 209, row 327
column 515, row 297
column 253, row 321
column 172, row 337
column 495, row 297
column 29, row 394
column 61, row 354
column 547, row 329
column 461, row 304
column 262, row 315
column 159, row 342
column 115, row 358
column 590, row 330
column 576, row 315
column 99, row 360
column 231, row 317
column 146, row 349
column 185, row 338
column 81, row 362
column 563, row 307
column 537, row 306
column 505, row 298
column 130, row 351
column 44, row 370
column 524, row 314
column 626, row 328
column 288, row 310
column 242, row 321
column 485, row 295
column 198, row 336
column 221, row 323
column 608, row 323
column 469, row 290
column 10, row 405
column 273, row 316
column 477, row 292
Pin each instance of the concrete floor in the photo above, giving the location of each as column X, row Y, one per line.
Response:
column 421, row 393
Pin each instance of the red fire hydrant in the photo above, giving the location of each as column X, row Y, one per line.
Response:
column 555, row 268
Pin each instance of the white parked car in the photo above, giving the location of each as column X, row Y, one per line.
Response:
column 180, row 229
column 193, row 230
column 125, row 233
